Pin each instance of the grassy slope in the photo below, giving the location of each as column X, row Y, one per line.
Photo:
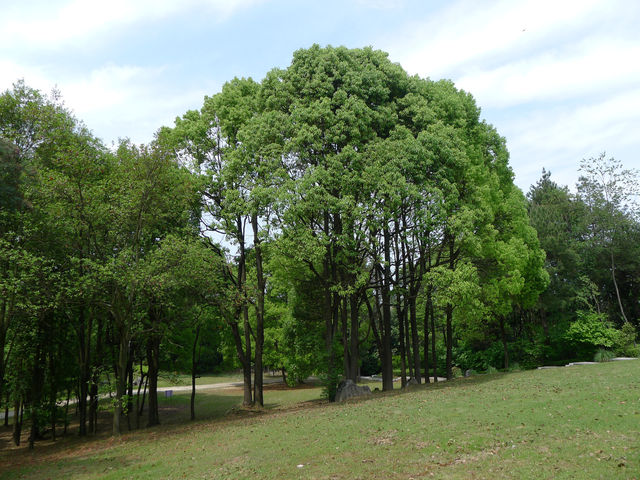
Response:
column 575, row 422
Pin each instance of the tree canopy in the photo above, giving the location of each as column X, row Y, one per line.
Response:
column 339, row 217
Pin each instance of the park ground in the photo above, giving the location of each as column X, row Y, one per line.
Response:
column 572, row 422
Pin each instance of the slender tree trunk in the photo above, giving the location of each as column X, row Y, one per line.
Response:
column 403, row 363
column 242, row 283
column 407, row 342
column 354, row 337
column 434, row 354
column 387, row 365
column 17, row 421
column 193, row 373
column 3, row 339
column 615, row 284
column 84, row 347
column 53, row 392
column 6, row 308
column 330, row 318
column 153, row 352
column 258, row 374
column 415, row 339
column 144, row 395
column 138, row 411
column 503, row 337
column 66, row 413
column 121, row 379
column 425, row 326
column 449, row 340
column 95, row 379
column 130, row 391
column 36, row 397
column 346, row 361
column 245, row 361
column 449, row 319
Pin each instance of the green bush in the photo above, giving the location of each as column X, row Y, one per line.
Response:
column 515, row 367
column 625, row 341
column 603, row 355
column 589, row 333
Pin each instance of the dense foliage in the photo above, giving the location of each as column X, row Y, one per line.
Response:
column 338, row 218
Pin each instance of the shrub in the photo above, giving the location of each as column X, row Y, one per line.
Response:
column 625, row 341
column 603, row 355
column 515, row 367
column 589, row 333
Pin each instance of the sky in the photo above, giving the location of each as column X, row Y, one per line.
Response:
column 559, row 79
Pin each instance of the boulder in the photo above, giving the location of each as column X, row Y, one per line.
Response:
column 411, row 384
column 348, row 389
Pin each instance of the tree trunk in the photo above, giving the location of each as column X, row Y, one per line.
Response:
column 138, row 410
column 130, row 390
column 121, row 379
column 425, row 326
column 449, row 341
column 84, row 350
column 244, row 351
column 503, row 337
column 144, row 395
column 403, row 363
column 330, row 314
column 407, row 341
column 434, row 355
column 95, row 379
column 193, row 374
column 53, row 392
column 17, row 421
column 258, row 374
column 354, row 354
column 244, row 361
column 36, row 397
column 346, row 361
column 615, row 284
column 449, row 318
column 387, row 360
column 153, row 352
column 415, row 339
column 66, row 413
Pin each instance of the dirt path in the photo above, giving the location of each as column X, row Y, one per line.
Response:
column 187, row 388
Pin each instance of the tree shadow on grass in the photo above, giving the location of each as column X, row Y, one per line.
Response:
column 71, row 466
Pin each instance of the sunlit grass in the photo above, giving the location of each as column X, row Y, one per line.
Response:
column 574, row 422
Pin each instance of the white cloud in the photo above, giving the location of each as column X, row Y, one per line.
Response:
column 45, row 28
column 121, row 100
column 597, row 65
column 381, row 4
column 475, row 33
column 558, row 79
column 33, row 76
column 558, row 138
column 115, row 100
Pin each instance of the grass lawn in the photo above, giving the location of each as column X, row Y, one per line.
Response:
column 573, row 422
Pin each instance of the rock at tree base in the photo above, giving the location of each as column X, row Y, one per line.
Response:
column 411, row 384
column 348, row 389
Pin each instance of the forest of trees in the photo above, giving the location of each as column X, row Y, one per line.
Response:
column 338, row 218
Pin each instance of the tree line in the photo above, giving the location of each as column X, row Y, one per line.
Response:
column 338, row 218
